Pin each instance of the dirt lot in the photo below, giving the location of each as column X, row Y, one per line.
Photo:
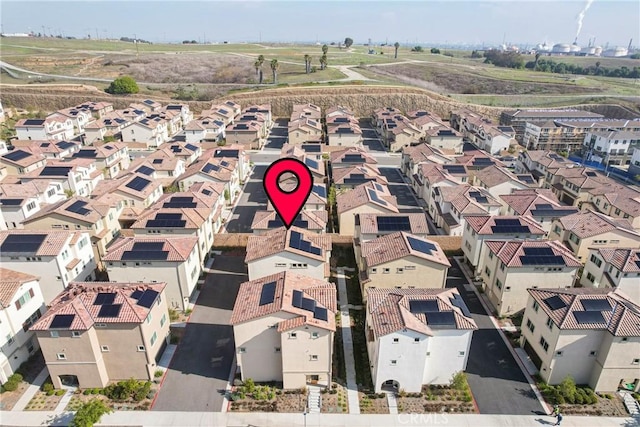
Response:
column 443, row 79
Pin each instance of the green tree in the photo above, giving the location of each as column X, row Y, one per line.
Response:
column 307, row 64
column 257, row 67
column 325, row 49
column 396, row 45
column 348, row 42
column 323, row 62
column 274, row 70
column 435, row 50
column 260, row 62
column 417, row 49
column 90, row 413
column 123, row 85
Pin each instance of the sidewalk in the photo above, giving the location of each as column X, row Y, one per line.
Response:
column 347, row 344
column 30, row 391
column 266, row 419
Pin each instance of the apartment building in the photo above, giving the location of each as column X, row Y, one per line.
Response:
column 519, row 118
column 283, row 326
column 151, row 131
column 609, row 147
column 111, row 158
column 444, row 138
column 538, row 203
column 204, row 129
column 511, row 267
column 416, row 337
column 137, row 190
column 77, row 176
column 365, row 198
column 56, row 257
column 482, row 228
column 173, row 260
column 451, row 206
column 289, row 249
column 499, row 181
column 21, row 161
column 100, row 332
column 21, row 305
column 55, row 127
column 590, row 334
column 401, row 260
column 49, row 149
column 613, row 268
column 588, row 229
column 21, row 200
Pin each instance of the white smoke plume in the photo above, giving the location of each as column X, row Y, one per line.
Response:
column 581, row 16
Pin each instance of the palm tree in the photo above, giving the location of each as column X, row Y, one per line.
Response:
column 323, row 62
column 257, row 66
column 325, row 49
column 535, row 63
column 397, row 46
column 260, row 61
column 307, row 63
column 274, row 69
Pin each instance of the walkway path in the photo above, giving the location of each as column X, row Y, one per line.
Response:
column 347, row 344
column 65, row 399
column 392, row 402
column 314, row 399
column 270, row 419
column 31, row 391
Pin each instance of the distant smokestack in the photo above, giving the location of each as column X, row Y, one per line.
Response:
column 629, row 48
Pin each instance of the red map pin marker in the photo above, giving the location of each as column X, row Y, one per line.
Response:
column 288, row 204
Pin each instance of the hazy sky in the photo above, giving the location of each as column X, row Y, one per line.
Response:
column 445, row 21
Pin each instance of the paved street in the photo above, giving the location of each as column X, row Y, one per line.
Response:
column 497, row 383
column 371, row 139
column 199, row 371
column 407, row 201
column 252, row 199
column 278, row 135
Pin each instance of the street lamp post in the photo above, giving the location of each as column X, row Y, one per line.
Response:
column 305, row 417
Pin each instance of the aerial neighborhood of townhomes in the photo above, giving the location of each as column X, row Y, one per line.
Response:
column 467, row 253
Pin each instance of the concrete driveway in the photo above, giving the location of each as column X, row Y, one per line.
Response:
column 252, row 199
column 200, row 368
column 497, row 383
column 407, row 201
column 278, row 135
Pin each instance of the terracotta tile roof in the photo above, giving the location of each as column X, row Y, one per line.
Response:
column 626, row 260
column 305, row 123
column 194, row 217
column 589, row 223
column 509, row 252
column 60, row 208
column 201, row 200
column 390, row 310
column 316, row 220
column 483, row 224
column 78, row 300
column 369, row 222
column 10, row 282
column 278, row 240
column 340, row 109
column 622, row 320
column 466, row 201
column 523, row 201
column 179, row 248
column 29, row 160
column 424, row 152
column 24, row 190
column 366, row 194
column 369, row 172
column 220, row 169
column 201, row 190
column 620, row 196
column 338, row 156
column 52, row 244
column 247, row 306
column 397, row 245
column 495, row 175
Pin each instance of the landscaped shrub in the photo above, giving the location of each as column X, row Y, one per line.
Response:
column 51, row 392
column 87, row 392
column 15, row 377
column 90, row 413
column 158, row 373
column 10, row 386
column 129, row 389
column 47, row 387
column 60, row 392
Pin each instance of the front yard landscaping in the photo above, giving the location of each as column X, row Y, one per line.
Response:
column 129, row 395
column 252, row 397
column 334, row 401
column 18, row 383
column 373, row 403
column 439, row 398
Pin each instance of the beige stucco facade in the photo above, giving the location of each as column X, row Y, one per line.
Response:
column 580, row 247
column 408, row 272
column 347, row 220
column 286, row 261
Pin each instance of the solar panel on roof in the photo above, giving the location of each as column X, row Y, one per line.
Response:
column 320, row 313
column 147, row 246
column 421, row 245
column 45, row 144
column 311, row 163
column 192, row 147
column 320, row 190
column 596, row 304
column 207, row 192
column 297, row 242
column 16, row 155
column 544, row 206
column 455, row 169
column 180, row 202
column 277, row 223
column 144, row 256
column 312, row 148
column 22, row 243
column 588, row 317
column 110, row 310
column 353, row 158
column 166, row 223
column 33, row 122
column 510, row 229
column 308, row 304
column 539, row 251
column 55, row 171
column 85, row 154
column 157, row 161
column 78, row 207
column 147, row 298
column 374, row 197
column 136, row 294
column 542, row 260
column 65, row 144
column 554, row 302
column 104, row 298
column 591, row 173
column 459, row 302
column 226, row 153
column 138, row 183
column 393, row 223
column 296, row 299
column 163, row 215
column 442, row 318
column 176, row 149
column 145, row 170
column 507, row 221
column 268, row 293
column 11, row 202
column 61, row 321
column 209, row 167
column 429, row 306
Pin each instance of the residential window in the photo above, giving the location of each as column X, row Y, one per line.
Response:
column 314, row 357
column 100, row 325
column 535, row 306
column 490, row 255
column 61, row 356
column 399, row 270
column 593, row 354
column 54, row 334
column 502, row 265
column 31, row 206
column 154, row 337
column 624, row 339
column 530, row 325
column 597, row 261
column 416, row 340
column 635, row 362
column 396, row 340
column 277, row 349
column 374, row 270
column 163, row 320
column 280, row 264
column 499, row 284
column 75, row 334
column 149, row 318
column 394, row 362
column 461, row 353
column 314, row 335
column 141, row 348
column 31, row 320
column 293, row 335
column 487, row 271
column 10, row 339
column 544, row 344
column 559, row 353
column 26, row 297
column 105, row 348
column 591, row 277
column 386, row 270
column 549, row 323
column 409, row 267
